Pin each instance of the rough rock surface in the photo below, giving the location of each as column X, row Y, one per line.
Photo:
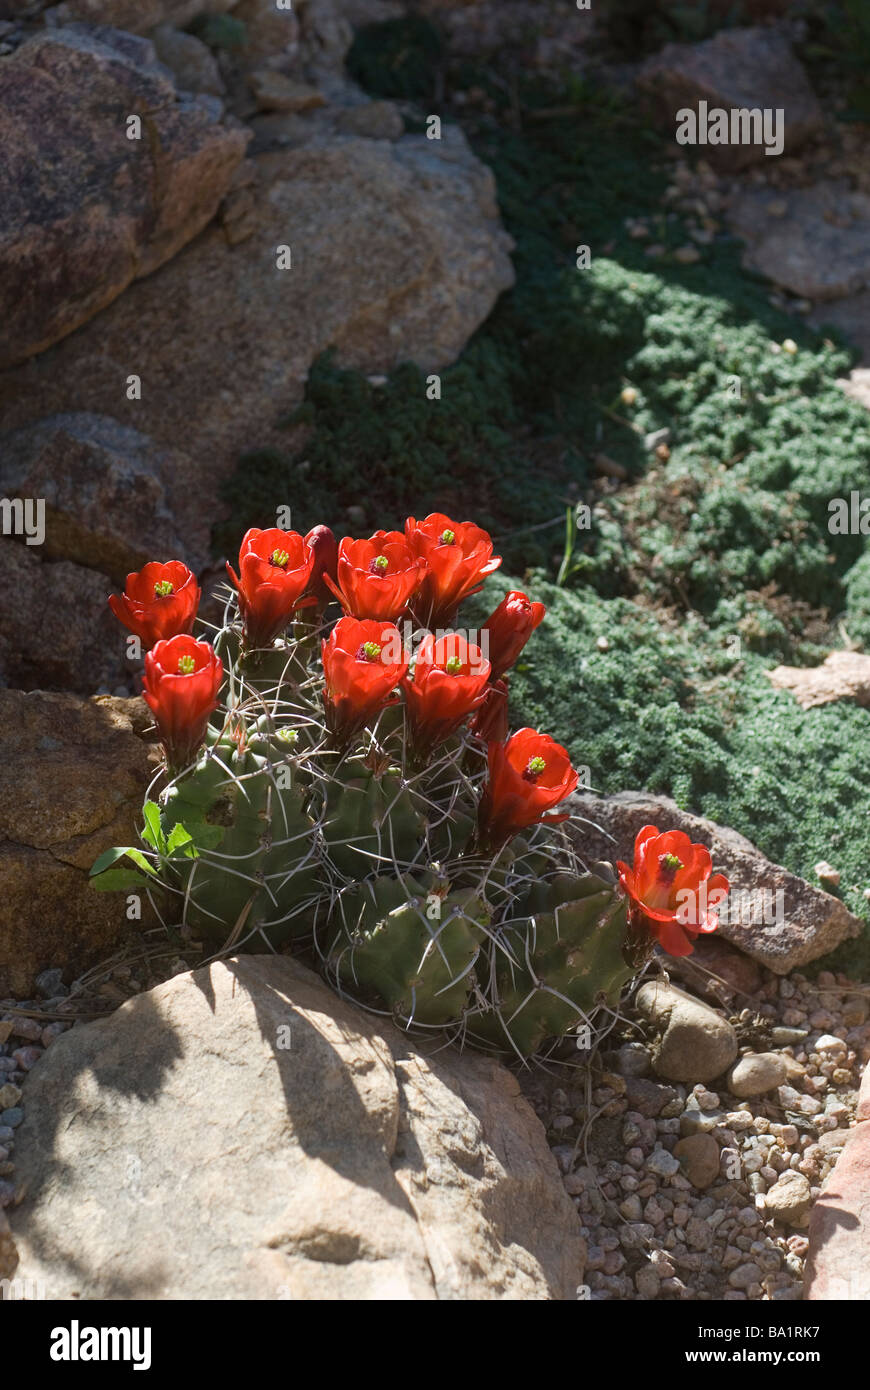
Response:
column 240, row 1132
column 137, row 16
column 857, row 383
column 697, row 1044
column 397, row 253
column 851, row 317
column 58, row 633
column 841, row 676
column 818, row 247
column 814, row 922
column 717, row 970
column 113, row 499
column 191, row 62
column 72, row 777
column 85, row 210
column 838, row 1264
column 271, row 35
column 8, row 1251
column 756, row 1074
column 752, row 68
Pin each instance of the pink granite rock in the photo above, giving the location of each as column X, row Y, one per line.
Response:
column 838, row 1264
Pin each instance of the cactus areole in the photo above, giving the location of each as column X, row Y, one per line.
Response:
column 325, row 786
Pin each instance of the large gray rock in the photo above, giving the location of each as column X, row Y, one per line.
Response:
column 72, row 779
column 113, row 499
column 814, row 922
column 241, row 1133
column 817, row 245
column 397, row 253
column 85, row 210
column 738, row 68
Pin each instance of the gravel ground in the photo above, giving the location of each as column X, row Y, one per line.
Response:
column 724, row 1215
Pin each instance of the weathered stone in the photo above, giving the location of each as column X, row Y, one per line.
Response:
column 8, row 1251
column 819, row 249
column 646, row 1097
column 274, row 91
column 241, row 1132
column 716, row 969
column 756, row 1074
column 863, row 1111
column 85, row 210
column 113, row 499
column 841, row 676
column 697, row 1044
column 271, row 35
column 788, row 1201
column 851, row 317
column 838, row 1263
column 191, row 62
column 72, row 778
column 738, row 68
column 814, row 922
column 397, row 253
column 374, row 120
column 325, row 35
column 699, row 1155
column 136, row 16
column 58, row 634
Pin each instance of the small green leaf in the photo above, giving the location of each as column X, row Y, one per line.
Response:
column 111, row 856
column 117, row 880
column 153, row 833
column 181, row 839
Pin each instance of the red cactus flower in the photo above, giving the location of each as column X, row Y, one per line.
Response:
column 670, row 888
column 363, row 662
column 376, row 577
column 321, row 540
column 491, row 721
column 528, row 776
column 509, row 628
column 449, row 681
column 459, row 555
column 182, row 679
column 158, row 602
column 275, row 568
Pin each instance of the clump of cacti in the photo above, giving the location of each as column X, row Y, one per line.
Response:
column 347, row 782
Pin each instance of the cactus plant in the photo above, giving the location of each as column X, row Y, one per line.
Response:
column 342, row 800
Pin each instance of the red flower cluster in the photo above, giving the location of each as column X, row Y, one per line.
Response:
column 158, row 602
column 428, row 569
column 670, row 888
column 182, row 680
